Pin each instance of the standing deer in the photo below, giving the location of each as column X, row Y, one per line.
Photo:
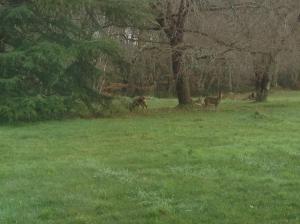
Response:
column 137, row 102
column 209, row 100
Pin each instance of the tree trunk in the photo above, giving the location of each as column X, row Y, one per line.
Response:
column 262, row 85
column 2, row 45
column 183, row 90
column 172, row 22
column 230, row 84
column 263, row 77
column 181, row 80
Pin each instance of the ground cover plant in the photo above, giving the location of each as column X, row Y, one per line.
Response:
column 237, row 165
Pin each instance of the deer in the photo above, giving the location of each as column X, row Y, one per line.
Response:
column 138, row 102
column 209, row 100
column 252, row 96
column 199, row 101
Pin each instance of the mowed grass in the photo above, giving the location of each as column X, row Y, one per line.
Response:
column 239, row 165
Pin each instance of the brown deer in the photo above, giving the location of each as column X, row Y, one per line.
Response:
column 199, row 101
column 138, row 102
column 209, row 100
column 252, row 96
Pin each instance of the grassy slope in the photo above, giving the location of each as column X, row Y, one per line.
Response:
column 233, row 166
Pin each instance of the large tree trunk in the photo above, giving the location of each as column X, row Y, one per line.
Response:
column 263, row 76
column 172, row 22
column 262, row 86
column 2, row 44
column 183, row 90
column 181, row 79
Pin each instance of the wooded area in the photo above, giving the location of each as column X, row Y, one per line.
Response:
column 69, row 58
column 149, row 111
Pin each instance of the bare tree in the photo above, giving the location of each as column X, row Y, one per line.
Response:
column 171, row 16
column 208, row 44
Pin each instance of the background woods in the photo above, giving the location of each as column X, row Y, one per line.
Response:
column 200, row 46
column 72, row 57
column 199, row 113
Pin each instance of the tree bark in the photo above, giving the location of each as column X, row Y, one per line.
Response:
column 263, row 76
column 181, row 79
column 183, row 90
column 262, row 85
column 173, row 24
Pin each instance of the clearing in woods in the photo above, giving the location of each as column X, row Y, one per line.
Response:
column 240, row 164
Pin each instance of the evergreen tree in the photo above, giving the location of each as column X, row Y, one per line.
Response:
column 49, row 51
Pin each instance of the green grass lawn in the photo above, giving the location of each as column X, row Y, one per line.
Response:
column 239, row 165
